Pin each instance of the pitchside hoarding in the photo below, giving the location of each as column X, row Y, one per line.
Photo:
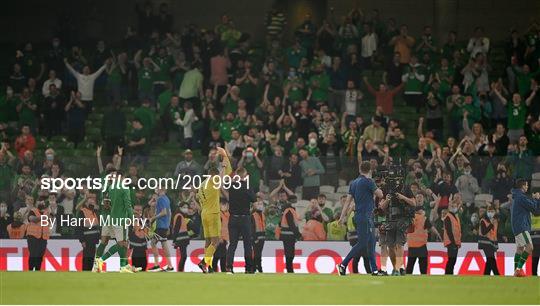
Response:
column 311, row 257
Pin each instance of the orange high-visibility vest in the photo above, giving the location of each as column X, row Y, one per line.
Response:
column 260, row 221
column 35, row 229
column 260, row 225
column 456, row 230
column 16, row 232
column 284, row 222
column 492, row 234
column 313, row 231
column 182, row 226
column 89, row 216
column 225, row 225
column 419, row 237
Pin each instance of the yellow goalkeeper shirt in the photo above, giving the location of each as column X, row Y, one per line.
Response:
column 208, row 193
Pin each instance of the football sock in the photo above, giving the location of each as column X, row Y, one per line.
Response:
column 100, row 249
column 523, row 259
column 517, row 258
column 123, row 259
column 208, row 253
column 110, row 252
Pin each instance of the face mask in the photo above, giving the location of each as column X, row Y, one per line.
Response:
column 292, row 74
column 454, row 210
column 468, row 204
column 3, row 210
column 91, row 206
column 41, row 206
column 313, row 142
column 258, row 207
column 491, row 214
column 249, row 154
column 50, row 157
column 474, row 219
column 184, row 210
column 9, row 92
column 467, row 172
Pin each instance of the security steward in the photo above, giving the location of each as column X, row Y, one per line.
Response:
column 138, row 240
column 417, row 239
column 451, row 236
column 487, row 240
column 535, row 237
column 17, row 229
column 88, row 232
column 240, row 200
column 258, row 223
column 180, row 233
column 37, row 236
column 288, row 230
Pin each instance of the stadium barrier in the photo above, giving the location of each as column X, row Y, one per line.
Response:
column 311, row 257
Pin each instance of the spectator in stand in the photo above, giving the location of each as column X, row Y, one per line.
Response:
column 137, row 144
column 375, row 132
column 52, row 80
column 291, row 172
column 52, row 111
column 25, row 141
column 192, row 84
column 188, row 167
column 146, row 74
column 393, row 71
column 313, row 230
column 312, row 169
column 369, row 45
column 414, row 78
column 85, row 82
column 76, row 113
column 384, row 97
column 467, row 186
column 478, row 43
column 403, row 44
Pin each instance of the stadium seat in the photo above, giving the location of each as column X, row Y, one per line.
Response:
column 342, row 189
column 536, row 176
column 327, row 189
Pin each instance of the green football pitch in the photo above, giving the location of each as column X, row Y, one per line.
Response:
column 196, row 288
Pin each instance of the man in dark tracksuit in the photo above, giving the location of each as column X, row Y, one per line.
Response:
column 240, row 221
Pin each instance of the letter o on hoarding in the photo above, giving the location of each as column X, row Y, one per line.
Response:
column 312, row 259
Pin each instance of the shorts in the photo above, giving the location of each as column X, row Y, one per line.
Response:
column 119, row 233
column 396, row 234
column 161, row 234
column 383, row 240
column 211, row 224
column 523, row 239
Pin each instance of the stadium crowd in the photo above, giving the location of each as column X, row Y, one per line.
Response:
column 298, row 115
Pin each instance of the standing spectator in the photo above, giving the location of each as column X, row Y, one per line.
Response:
column 478, row 43
column 517, row 114
column 350, row 103
column 319, row 85
column 192, row 84
column 52, row 110
column 402, row 44
column 85, row 82
column 375, row 132
column 520, row 157
column 113, row 128
column 414, row 78
column 369, row 46
column 187, row 124
column 52, row 80
column 312, row 169
column 146, row 74
column 76, row 113
column 138, row 143
column 384, row 97
column 291, row 172
column 467, row 186
column 393, row 71
column 25, row 141
column 189, row 166
column 253, row 164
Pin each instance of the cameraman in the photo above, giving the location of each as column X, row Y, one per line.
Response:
column 400, row 207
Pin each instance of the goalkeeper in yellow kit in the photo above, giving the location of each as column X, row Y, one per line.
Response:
column 208, row 197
